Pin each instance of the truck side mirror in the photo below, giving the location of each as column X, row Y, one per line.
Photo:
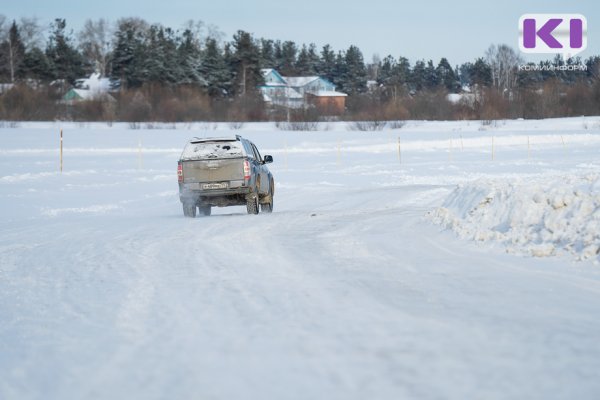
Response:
column 268, row 159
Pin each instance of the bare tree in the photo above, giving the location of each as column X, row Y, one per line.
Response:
column 3, row 41
column 213, row 32
column 32, row 33
column 197, row 30
column 373, row 68
column 202, row 32
column 503, row 61
column 95, row 43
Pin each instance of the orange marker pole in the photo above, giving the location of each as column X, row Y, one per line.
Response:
column 399, row 150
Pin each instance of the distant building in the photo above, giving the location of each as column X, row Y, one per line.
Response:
column 93, row 88
column 301, row 92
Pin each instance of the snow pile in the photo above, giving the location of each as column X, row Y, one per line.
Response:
column 537, row 218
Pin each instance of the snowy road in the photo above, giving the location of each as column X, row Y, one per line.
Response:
column 346, row 291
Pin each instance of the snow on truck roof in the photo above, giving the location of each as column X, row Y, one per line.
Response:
column 216, row 139
column 213, row 148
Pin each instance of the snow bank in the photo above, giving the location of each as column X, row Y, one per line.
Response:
column 538, row 217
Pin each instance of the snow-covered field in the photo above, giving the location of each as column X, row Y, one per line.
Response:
column 352, row 289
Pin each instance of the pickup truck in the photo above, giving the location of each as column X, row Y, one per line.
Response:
column 222, row 172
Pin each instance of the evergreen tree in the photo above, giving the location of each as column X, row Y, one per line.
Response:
column 288, row 59
column 36, row 66
column 432, row 79
column 354, row 76
column 12, row 53
column 245, row 62
column 572, row 76
column 326, row 66
column 403, row 70
column 129, row 54
column 267, row 54
column 65, row 61
column 303, row 64
column 214, row 70
column 465, row 74
column 394, row 75
column 189, row 59
column 308, row 61
column 528, row 79
column 161, row 64
column 277, row 55
column 418, row 76
column 385, row 72
column 339, row 70
column 313, row 59
column 481, row 73
column 387, row 78
column 446, row 76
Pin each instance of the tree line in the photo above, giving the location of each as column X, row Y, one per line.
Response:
column 194, row 74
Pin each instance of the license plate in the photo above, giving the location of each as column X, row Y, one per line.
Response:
column 209, row 186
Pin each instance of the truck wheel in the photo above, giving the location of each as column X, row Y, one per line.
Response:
column 189, row 210
column 252, row 204
column 268, row 207
column 205, row 210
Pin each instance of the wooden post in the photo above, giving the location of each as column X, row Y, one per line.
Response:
column 399, row 150
column 61, row 151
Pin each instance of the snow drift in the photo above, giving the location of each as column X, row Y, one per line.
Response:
column 540, row 217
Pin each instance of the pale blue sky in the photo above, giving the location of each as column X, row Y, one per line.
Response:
column 458, row 30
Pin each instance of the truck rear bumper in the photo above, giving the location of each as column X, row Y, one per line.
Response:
column 235, row 195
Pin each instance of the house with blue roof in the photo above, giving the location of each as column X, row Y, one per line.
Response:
column 302, row 92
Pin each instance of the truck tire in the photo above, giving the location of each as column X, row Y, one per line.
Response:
column 268, row 207
column 252, row 204
column 189, row 210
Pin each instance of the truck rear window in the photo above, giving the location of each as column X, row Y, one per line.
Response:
column 203, row 150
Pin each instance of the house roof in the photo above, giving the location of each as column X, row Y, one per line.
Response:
column 84, row 94
column 327, row 93
column 266, row 71
column 299, row 81
column 288, row 92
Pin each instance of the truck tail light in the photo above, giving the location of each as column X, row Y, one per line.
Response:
column 180, row 172
column 246, row 170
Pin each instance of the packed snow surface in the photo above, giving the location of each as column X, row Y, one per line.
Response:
column 346, row 291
